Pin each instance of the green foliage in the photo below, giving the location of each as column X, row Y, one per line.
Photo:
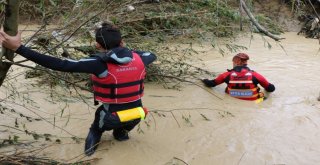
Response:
column 9, row 141
column 44, row 10
column 184, row 18
column 267, row 22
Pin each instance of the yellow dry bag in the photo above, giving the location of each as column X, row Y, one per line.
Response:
column 131, row 114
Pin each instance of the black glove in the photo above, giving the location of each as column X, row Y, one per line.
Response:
column 270, row 88
column 209, row 83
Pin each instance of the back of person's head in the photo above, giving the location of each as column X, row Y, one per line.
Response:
column 240, row 59
column 108, row 36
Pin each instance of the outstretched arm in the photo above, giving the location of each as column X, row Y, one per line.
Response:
column 264, row 82
column 217, row 81
column 90, row 65
column 87, row 65
column 147, row 57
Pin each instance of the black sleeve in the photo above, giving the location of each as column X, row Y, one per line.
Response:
column 147, row 57
column 89, row 65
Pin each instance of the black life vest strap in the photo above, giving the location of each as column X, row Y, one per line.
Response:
column 113, row 96
column 141, row 87
column 97, row 84
column 113, row 87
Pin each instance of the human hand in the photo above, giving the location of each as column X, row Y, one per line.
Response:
column 10, row 42
column 208, row 83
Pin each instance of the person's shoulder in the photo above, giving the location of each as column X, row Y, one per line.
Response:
column 122, row 52
column 230, row 70
column 121, row 55
column 143, row 53
column 227, row 73
column 257, row 75
column 101, row 56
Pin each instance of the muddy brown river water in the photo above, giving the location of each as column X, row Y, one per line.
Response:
column 192, row 126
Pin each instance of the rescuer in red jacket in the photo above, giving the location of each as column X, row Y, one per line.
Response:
column 242, row 82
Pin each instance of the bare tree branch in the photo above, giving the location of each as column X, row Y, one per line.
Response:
column 255, row 22
column 315, row 11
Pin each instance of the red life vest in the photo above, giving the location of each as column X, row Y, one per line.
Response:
column 241, row 85
column 123, row 84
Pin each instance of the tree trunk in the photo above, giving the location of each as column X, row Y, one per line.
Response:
column 255, row 22
column 10, row 26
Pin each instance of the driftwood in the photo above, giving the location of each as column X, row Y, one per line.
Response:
column 10, row 26
column 255, row 22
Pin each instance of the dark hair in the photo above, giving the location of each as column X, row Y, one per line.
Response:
column 108, row 36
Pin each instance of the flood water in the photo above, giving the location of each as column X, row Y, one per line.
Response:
column 195, row 125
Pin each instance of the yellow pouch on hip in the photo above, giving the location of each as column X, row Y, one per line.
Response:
column 261, row 98
column 131, row 114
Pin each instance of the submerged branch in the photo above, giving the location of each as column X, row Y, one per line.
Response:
column 36, row 160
